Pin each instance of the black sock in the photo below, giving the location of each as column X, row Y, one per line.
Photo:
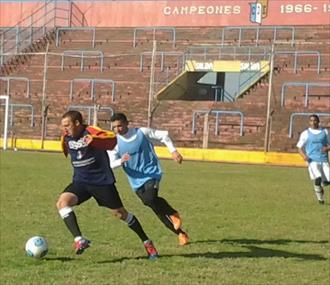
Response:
column 71, row 222
column 134, row 224
column 163, row 210
column 167, row 222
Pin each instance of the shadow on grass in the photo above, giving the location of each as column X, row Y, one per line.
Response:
column 249, row 244
column 115, row 260
column 258, row 241
column 60, row 258
column 254, row 252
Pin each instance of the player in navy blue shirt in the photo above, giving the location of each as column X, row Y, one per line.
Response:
column 92, row 177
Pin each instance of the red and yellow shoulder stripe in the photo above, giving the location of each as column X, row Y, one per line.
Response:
column 101, row 139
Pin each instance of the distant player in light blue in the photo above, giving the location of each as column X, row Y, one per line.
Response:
column 313, row 146
column 135, row 153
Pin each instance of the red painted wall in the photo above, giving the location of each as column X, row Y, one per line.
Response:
column 182, row 13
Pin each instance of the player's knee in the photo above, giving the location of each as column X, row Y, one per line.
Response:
column 120, row 213
column 149, row 201
column 61, row 203
column 116, row 214
column 66, row 200
column 318, row 181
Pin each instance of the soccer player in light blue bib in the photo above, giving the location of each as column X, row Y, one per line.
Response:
column 313, row 146
column 135, row 153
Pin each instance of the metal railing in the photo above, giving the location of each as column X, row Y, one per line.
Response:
column 306, row 85
column 22, row 106
column 162, row 79
column 44, row 19
column 298, row 53
column 293, row 115
column 82, row 54
column 258, row 29
column 166, row 74
column 90, row 110
column 154, row 30
column 63, row 29
column 162, row 55
column 11, row 78
column 5, row 118
column 220, row 94
column 218, row 52
column 92, row 82
column 217, row 113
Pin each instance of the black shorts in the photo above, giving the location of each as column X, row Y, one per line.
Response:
column 105, row 196
column 148, row 192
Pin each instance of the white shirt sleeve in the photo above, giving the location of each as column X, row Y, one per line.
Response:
column 115, row 160
column 160, row 136
column 302, row 139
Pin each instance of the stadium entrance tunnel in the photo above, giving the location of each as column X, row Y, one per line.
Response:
column 214, row 81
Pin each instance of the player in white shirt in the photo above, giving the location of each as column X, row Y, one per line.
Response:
column 135, row 153
column 313, row 146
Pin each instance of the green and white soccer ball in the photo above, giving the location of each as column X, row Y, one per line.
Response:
column 36, row 247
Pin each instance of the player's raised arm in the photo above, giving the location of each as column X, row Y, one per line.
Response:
column 163, row 137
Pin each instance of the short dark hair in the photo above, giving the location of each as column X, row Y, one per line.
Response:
column 315, row 116
column 74, row 116
column 118, row 117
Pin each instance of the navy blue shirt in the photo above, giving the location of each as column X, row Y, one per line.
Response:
column 91, row 165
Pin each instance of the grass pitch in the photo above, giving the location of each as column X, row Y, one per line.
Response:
column 249, row 225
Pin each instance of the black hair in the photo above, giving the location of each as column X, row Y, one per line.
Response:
column 315, row 116
column 74, row 116
column 118, row 117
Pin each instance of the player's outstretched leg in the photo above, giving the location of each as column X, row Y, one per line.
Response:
column 164, row 211
column 134, row 224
